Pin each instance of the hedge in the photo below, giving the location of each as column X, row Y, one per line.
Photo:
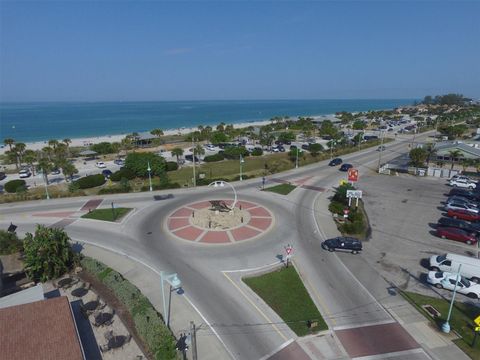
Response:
column 171, row 166
column 122, row 173
column 257, row 152
column 148, row 322
column 90, row 181
column 9, row 243
column 163, row 186
column 214, row 157
column 114, row 190
column 13, row 185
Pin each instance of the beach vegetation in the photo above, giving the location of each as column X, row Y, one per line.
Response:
column 47, row 253
column 286, row 136
column 218, row 137
column 45, row 165
column 104, row 147
column 138, row 163
column 257, row 152
column 235, row 152
column 328, row 128
column 359, row 125
column 157, row 132
column 12, row 186
column 90, row 181
column 315, row 149
column 68, row 170
column 30, row 158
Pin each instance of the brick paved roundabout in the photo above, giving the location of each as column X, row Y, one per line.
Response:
column 199, row 222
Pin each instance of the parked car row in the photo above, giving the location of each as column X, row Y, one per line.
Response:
column 463, row 211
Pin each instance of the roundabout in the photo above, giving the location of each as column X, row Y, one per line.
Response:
column 215, row 222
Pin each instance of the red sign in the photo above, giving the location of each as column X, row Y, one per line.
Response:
column 288, row 250
column 352, row 175
column 346, row 211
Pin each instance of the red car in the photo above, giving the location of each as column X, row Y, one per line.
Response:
column 456, row 234
column 463, row 214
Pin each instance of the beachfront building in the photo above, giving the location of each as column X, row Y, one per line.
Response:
column 144, row 139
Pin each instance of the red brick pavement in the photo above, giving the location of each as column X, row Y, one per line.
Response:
column 290, row 352
column 183, row 212
column 259, row 211
column 175, row 223
column 376, row 339
column 260, row 223
column 91, row 204
column 189, row 233
column 243, row 233
column 215, row 237
column 60, row 214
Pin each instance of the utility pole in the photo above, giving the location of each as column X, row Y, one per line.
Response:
column 296, row 160
column 194, row 176
column 193, row 334
column 380, row 152
column 241, row 165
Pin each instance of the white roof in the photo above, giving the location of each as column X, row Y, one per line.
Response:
column 26, row 296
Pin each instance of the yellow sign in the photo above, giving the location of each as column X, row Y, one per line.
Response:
column 344, row 182
column 477, row 320
column 477, row 328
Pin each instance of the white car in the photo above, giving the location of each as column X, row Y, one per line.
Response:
column 100, row 164
column 457, row 205
column 462, row 177
column 24, row 173
column 462, row 183
column 445, row 280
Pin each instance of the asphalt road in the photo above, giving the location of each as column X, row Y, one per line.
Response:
column 144, row 236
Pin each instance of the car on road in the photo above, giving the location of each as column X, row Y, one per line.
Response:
column 458, row 205
column 381, row 148
column 120, row 162
column 461, row 224
column 343, row 243
column 189, row 157
column 100, row 164
column 55, row 172
column 461, row 200
column 345, row 167
column 335, row 162
column 462, row 183
column 24, row 173
column 456, row 234
column 449, row 281
column 462, row 177
column 305, row 146
column 2, row 175
column 107, row 173
column 463, row 215
column 293, row 147
column 210, row 147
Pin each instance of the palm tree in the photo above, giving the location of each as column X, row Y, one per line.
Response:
column 157, row 132
column 199, row 150
column 30, row 157
column 19, row 150
column 9, row 142
column 53, row 143
column 221, row 127
column 45, row 165
column 67, row 142
column 177, row 152
column 48, row 151
column 68, row 170
column 454, row 154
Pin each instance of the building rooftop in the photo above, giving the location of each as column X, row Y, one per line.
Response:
column 42, row 330
column 26, row 296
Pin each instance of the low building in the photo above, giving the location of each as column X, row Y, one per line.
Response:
column 470, row 150
column 40, row 330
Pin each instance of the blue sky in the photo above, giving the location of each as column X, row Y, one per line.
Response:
column 93, row 51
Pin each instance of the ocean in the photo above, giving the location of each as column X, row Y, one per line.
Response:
column 28, row 122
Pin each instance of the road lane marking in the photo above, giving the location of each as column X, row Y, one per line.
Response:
column 256, row 307
column 253, row 269
column 393, row 354
column 359, row 325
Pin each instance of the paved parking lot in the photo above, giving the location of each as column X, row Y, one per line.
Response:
column 402, row 211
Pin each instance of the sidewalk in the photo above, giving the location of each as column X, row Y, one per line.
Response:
column 182, row 312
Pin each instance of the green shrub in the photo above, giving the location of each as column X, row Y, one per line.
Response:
column 356, row 227
column 9, row 243
column 172, row 166
column 103, row 148
column 336, row 208
column 161, row 186
column 127, row 293
column 90, row 181
column 235, row 152
column 13, row 185
column 122, row 173
column 138, row 163
column 114, row 190
column 257, row 152
column 214, row 157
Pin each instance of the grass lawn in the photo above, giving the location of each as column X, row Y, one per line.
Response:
column 107, row 214
column 461, row 320
column 284, row 292
column 283, row 189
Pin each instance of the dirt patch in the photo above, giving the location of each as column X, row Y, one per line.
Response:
column 109, row 297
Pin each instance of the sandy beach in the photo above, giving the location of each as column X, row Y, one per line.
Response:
column 87, row 141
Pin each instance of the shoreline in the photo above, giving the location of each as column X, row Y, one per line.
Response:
column 90, row 140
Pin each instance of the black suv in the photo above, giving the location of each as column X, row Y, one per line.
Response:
column 335, row 162
column 460, row 224
column 2, row 175
column 350, row 244
column 469, row 194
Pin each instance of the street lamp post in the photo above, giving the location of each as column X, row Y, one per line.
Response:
column 382, row 135
column 194, row 175
column 175, row 283
column 296, row 160
column 446, row 324
column 241, row 166
column 222, row 183
column 149, row 175
column 332, row 144
column 46, row 185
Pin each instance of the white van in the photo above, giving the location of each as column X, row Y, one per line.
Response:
column 451, row 263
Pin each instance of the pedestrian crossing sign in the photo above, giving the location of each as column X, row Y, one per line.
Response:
column 343, row 182
column 477, row 320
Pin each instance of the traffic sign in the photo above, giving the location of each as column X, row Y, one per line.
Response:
column 477, row 320
column 352, row 175
column 477, row 328
column 357, row 194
